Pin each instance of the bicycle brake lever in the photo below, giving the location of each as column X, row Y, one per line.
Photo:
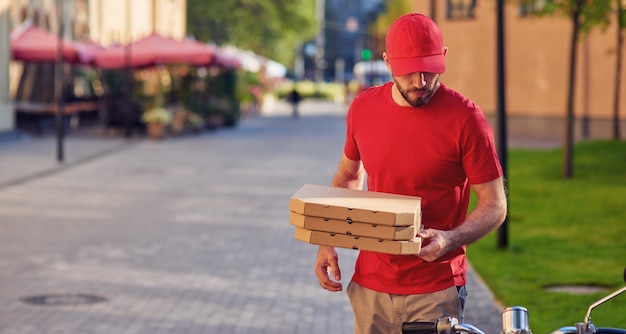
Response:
column 466, row 328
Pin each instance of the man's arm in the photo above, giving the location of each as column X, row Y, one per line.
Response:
column 488, row 214
column 350, row 174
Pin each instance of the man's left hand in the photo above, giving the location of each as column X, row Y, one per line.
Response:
column 435, row 243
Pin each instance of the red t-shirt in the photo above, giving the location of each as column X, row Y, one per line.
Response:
column 435, row 152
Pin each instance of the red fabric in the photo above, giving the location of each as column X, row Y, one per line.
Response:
column 87, row 51
column 151, row 50
column 414, row 44
column 434, row 152
column 156, row 49
column 31, row 44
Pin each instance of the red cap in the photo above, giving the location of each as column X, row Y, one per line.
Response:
column 415, row 44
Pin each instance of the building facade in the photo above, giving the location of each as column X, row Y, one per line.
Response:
column 537, row 67
column 118, row 21
column 6, row 110
column 345, row 34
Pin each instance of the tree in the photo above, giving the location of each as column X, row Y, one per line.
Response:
column 268, row 27
column 378, row 30
column 568, row 164
column 584, row 15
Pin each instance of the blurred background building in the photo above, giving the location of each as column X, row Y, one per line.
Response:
column 345, row 37
column 104, row 22
column 537, row 59
column 352, row 31
column 118, row 21
column 6, row 110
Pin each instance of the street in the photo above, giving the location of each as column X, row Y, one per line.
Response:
column 184, row 235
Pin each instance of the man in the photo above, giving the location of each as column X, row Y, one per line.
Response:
column 294, row 98
column 416, row 136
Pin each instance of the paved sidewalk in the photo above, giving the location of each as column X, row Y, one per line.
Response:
column 28, row 157
column 184, row 235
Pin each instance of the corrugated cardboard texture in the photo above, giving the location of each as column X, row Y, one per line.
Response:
column 352, row 228
column 361, row 243
column 355, row 205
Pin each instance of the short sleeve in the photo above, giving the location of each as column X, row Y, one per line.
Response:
column 479, row 155
column 350, row 148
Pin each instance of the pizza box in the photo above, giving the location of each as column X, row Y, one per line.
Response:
column 397, row 247
column 352, row 228
column 356, row 205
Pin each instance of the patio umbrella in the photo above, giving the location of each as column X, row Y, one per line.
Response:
column 221, row 58
column 30, row 44
column 154, row 50
column 87, row 51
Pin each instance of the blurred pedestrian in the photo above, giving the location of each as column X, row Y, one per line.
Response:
column 294, row 98
column 416, row 136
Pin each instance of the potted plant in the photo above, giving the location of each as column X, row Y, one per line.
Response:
column 179, row 120
column 156, row 120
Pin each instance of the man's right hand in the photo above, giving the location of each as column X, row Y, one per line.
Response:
column 327, row 263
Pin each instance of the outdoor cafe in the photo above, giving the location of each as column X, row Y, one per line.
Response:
column 105, row 82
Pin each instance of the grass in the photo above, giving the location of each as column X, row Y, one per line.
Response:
column 561, row 231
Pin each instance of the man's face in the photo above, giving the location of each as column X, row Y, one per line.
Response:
column 417, row 88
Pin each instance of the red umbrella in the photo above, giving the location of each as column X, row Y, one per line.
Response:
column 226, row 60
column 87, row 51
column 154, row 50
column 29, row 43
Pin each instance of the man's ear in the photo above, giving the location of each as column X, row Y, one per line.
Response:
column 445, row 51
column 387, row 62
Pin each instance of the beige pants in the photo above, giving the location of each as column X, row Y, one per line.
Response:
column 383, row 313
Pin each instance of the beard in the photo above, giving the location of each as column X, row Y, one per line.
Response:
column 417, row 101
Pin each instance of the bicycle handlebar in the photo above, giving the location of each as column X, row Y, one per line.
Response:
column 419, row 328
column 442, row 326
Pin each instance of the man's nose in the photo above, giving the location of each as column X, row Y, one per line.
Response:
column 418, row 79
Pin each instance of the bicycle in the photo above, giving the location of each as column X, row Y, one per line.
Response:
column 514, row 321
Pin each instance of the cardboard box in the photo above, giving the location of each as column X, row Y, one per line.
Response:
column 361, row 243
column 356, row 205
column 352, row 228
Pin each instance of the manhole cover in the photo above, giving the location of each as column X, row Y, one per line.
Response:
column 576, row 289
column 65, row 299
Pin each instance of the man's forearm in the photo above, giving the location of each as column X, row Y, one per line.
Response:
column 347, row 182
column 350, row 174
column 485, row 218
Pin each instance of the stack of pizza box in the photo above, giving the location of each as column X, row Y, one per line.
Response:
column 356, row 219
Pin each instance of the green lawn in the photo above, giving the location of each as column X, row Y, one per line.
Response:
column 561, row 231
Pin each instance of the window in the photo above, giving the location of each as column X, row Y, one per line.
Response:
column 460, row 9
column 529, row 7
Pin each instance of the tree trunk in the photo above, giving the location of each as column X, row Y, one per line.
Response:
column 569, row 119
column 618, row 71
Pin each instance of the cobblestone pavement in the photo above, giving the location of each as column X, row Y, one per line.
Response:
column 184, row 235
